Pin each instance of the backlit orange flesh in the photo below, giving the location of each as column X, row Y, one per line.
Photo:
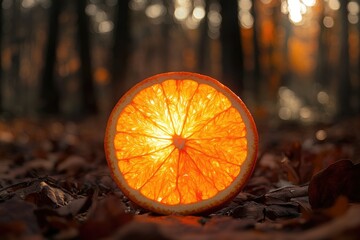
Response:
column 180, row 143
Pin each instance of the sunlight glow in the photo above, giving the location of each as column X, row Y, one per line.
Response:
column 297, row 9
column 181, row 13
column 334, row 5
column 295, row 16
column 328, row 22
column 137, row 5
column 353, row 19
column 199, row 13
column 266, row 1
column 91, row 9
column 285, row 113
column 353, row 8
column 321, row 135
column 294, row 8
column 28, row 3
column 100, row 16
column 290, row 105
column 284, row 7
column 246, row 19
column 245, row 5
column 323, row 97
column 306, row 114
column 214, row 18
column 309, row 3
column 106, row 26
column 155, row 10
column 192, row 23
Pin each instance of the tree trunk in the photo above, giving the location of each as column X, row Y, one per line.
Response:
column 358, row 74
column 203, row 47
column 49, row 91
column 231, row 45
column 1, row 34
column 322, row 68
column 257, row 68
column 121, row 49
column 88, row 98
column 165, row 37
column 345, row 90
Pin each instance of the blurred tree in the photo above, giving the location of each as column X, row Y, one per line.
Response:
column 1, row 35
column 203, row 47
column 257, row 68
column 121, row 47
column 49, row 91
column 345, row 89
column 281, row 54
column 322, row 63
column 16, row 40
column 231, row 45
column 88, row 98
column 165, row 35
column 358, row 76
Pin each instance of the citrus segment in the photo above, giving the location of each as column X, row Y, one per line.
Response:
column 179, row 95
column 180, row 143
column 139, row 169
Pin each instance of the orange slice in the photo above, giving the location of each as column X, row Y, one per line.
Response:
column 180, row 143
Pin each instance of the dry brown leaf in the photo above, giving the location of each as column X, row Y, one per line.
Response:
column 340, row 178
column 284, row 194
column 249, row 210
column 42, row 194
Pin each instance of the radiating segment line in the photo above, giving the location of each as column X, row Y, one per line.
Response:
column 208, row 121
column 199, row 139
column 157, row 170
column 176, row 182
column 146, row 154
column 177, row 177
column 167, row 106
column 217, row 158
column 148, row 118
column 200, row 171
column 188, row 107
column 144, row 135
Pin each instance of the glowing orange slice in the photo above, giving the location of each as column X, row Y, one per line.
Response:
column 180, row 143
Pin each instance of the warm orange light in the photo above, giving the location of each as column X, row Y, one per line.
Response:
column 179, row 139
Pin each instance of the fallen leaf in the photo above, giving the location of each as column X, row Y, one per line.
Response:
column 249, row 210
column 340, row 178
column 42, row 194
column 72, row 164
column 284, row 194
column 73, row 208
column 281, row 211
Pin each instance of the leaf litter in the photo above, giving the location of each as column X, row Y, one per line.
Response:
column 54, row 183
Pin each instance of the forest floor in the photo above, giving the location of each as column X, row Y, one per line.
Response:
column 55, row 183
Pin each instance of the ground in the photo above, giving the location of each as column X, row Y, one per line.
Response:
column 55, row 183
